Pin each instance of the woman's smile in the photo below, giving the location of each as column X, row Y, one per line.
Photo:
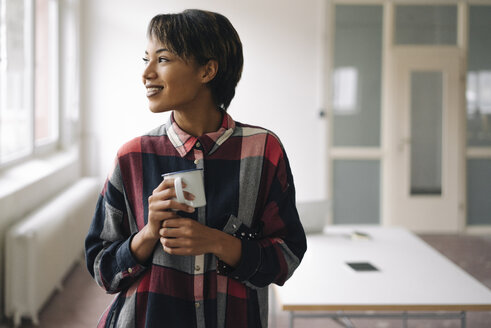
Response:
column 152, row 90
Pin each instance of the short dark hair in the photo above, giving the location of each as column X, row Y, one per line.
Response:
column 202, row 36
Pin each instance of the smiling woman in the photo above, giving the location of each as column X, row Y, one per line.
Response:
column 177, row 266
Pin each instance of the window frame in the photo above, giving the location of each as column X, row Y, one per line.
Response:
column 36, row 148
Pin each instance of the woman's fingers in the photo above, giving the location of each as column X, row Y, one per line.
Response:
column 166, row 200
column 166, row 183
column 178, row 246
column 169, row 205
column 170, row 193
column 169, row 232
column 161, row 216
column 183, row 236
column 162, row 205
column 177, row 222
column 166, row 190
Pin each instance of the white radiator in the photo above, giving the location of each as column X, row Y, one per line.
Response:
column 42, row 248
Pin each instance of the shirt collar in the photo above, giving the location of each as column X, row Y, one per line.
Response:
column 210, row 142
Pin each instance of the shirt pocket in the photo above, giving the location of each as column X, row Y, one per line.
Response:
column 237, row 228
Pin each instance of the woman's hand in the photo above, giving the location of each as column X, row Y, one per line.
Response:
column 180, row 236
column 161, row 207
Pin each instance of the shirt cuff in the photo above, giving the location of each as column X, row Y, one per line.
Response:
column 249, row 262
column 125, row 259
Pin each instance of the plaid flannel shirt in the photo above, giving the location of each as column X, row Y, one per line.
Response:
column 250, row 194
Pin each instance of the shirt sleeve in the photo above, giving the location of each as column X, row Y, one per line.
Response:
column 274, row 255
column 107, row 245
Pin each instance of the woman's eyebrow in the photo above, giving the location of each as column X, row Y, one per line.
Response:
column 158, row 51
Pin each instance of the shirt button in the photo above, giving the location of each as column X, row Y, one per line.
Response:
column 196, row 161
column 198, row 144
column 197, row 268
column 130, row 270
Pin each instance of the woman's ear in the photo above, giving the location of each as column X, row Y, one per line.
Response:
column 209, row 71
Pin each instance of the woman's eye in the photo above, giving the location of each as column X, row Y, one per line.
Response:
column 160, row 60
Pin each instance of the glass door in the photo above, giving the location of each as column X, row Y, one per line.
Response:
column 425, row 152
column 478, row 94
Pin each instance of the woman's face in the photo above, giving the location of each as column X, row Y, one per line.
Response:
column 171, row 82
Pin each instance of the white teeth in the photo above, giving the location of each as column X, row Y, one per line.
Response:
column 153, row 90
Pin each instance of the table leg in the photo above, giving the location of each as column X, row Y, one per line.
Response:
column 291, row 319
column 404, row 319
column 463, row 319
column 343, row 321
column 273, row 306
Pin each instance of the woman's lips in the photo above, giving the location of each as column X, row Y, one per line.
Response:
column 153, row 90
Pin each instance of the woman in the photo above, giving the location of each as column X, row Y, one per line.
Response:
column 173, row 265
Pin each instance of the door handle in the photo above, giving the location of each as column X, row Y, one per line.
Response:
column 403, row 142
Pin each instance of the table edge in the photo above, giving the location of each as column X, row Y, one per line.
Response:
column 388, row 307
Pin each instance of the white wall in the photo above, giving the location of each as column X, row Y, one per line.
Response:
column 281, row 87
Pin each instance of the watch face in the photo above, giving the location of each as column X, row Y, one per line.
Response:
column 362, row 266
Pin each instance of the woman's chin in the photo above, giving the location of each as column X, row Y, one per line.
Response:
column 156, row 109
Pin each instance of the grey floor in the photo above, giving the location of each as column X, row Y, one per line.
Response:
column 81, row 301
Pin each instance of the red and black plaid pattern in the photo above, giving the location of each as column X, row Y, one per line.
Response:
column 250, row 194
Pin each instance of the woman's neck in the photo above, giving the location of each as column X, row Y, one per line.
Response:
column 199, row 121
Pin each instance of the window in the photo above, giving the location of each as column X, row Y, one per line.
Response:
column 356, row 105
column 426, row 25
column 478, row 91
column 357, row 75
column 478, row 94
column 29, row 71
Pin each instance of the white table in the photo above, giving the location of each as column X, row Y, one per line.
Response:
column 413, row 278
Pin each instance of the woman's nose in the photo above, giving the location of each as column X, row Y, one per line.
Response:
column 149, row 73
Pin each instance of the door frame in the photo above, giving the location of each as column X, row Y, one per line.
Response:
column 397, row 159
